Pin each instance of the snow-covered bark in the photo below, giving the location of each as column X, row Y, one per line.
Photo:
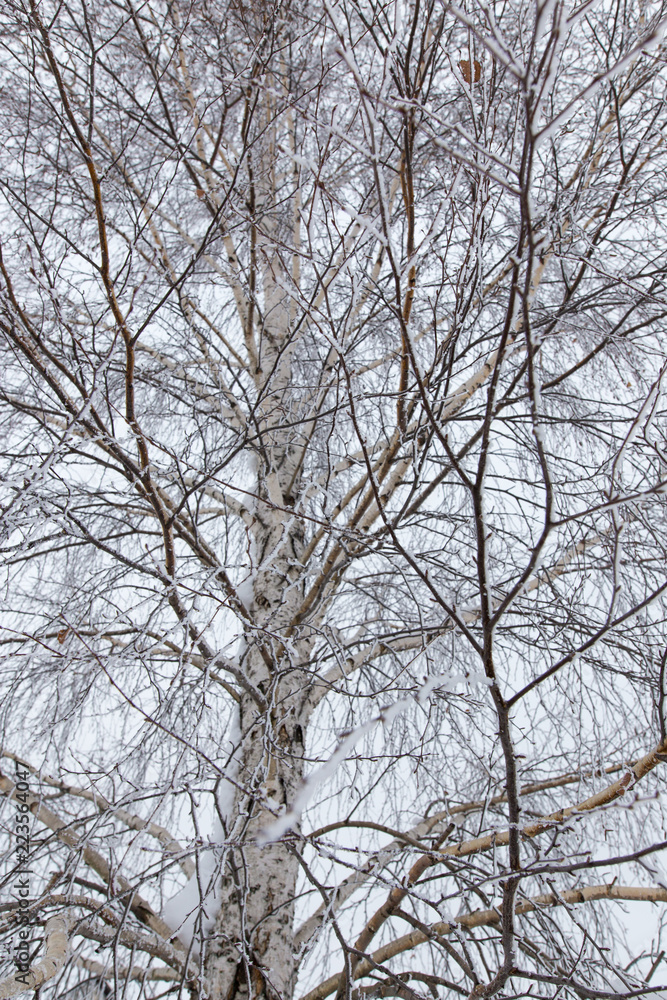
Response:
column 252, row 950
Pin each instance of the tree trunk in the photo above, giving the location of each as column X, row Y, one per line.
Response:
column 252, row 954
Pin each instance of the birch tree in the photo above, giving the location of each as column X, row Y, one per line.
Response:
column 333, row 498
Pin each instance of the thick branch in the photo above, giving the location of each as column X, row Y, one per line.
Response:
column 57, row 947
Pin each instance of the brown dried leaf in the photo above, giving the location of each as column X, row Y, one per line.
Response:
column 464, row 66
column 62, row 635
